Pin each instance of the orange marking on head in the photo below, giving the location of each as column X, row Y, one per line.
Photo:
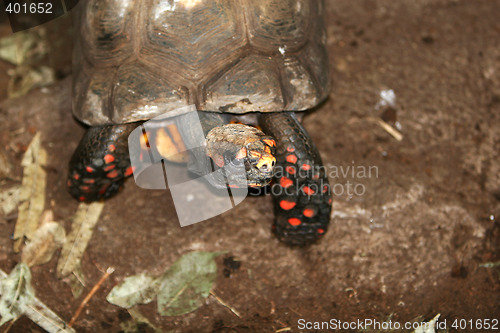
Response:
column 290, row 149
column 112, row 174
column 290, row 170
column 267, row 160
column 241, row 153
column 308, row 212
column 287, row 205
column 130, row 170
column 291, row 159
column 89, row 169
column 108, row 158
column 307, row 190
column 109, row 167
column 294, row 221
column 255, row 154
column 111, row 148
column 321, row 231
column 306, row 167
column 269, row 142
column 286, row 182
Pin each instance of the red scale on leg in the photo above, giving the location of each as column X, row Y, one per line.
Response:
column 111, row 147
column 108, row 158
column 76, row 176
column 287, row 205
column 129, row 171
column 290, row 149
column 290, row 170
column 291, row 159
column 89, row 169
column 307, row 190
column 306, row 167
column 109, row 167
column 286, row 182
column 294, row 221
column 103, row 189
column 308, row 212
column 112, row 174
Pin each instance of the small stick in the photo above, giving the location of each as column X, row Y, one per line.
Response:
column 225, row 304
column 388, row 128
column 284, row 329
column 87, row 298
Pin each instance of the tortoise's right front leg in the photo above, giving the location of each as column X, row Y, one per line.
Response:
column 301, row 192
column 100, row 163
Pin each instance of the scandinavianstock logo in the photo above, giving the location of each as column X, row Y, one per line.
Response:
column 200, row 190
column 26, row 14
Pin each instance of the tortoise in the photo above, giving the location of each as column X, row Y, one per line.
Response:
column 250, row 67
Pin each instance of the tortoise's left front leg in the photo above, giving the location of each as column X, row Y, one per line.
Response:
column 301, row 191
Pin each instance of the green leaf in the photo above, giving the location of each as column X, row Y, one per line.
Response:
column 137, row 289
column 17, row 293
column 187, row 283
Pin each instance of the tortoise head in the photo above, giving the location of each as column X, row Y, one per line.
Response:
column 245, row 153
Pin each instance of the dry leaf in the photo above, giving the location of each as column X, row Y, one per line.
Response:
column 187, row 283
column 25, row 78
column 32, row 195
column 34, row 308
column 9, row 199
column 136, row 289
column 24, row 47
column 47, row 239
column 82, row 227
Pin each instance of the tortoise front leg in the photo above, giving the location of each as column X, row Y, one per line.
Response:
column 100, row 163
column 301, row 191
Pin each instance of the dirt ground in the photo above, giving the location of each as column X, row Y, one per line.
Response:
column 408, row 245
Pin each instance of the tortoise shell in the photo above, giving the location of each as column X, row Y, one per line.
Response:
column 135, row 60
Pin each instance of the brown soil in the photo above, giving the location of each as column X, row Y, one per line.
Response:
column 410, row 246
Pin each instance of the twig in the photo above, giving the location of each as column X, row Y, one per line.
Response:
column 10, row 325
column 284, row 329
column 388, row 128
column 87, row 298
column 225, row 304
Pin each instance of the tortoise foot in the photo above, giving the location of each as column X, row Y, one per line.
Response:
column 301, row 191
column 100, row 163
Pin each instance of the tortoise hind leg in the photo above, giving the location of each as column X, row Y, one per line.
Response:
column 100, row 163
column 301, row 191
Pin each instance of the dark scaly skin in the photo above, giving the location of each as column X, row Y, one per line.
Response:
column 100, row 163
column 301, row 191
